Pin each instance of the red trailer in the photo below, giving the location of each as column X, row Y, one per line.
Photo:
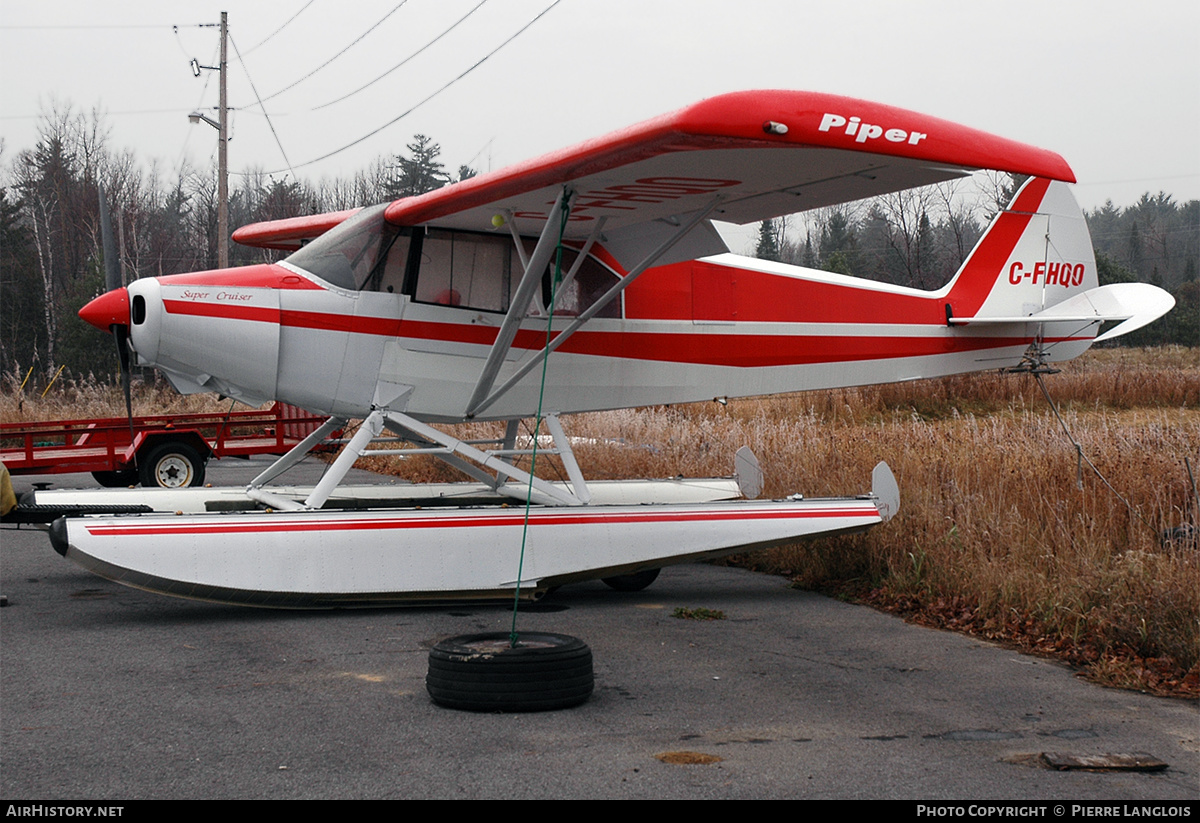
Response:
column 168, row 450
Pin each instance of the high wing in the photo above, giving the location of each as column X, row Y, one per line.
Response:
column 756, row 155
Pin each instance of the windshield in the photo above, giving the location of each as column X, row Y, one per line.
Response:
column 348, row 254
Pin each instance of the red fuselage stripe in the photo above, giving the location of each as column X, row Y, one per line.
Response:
column 865, row 512
column 711, row 348
column 258, row 314
column 714, row 349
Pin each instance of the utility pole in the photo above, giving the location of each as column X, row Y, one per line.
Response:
column 223, row 157
column 221, row 124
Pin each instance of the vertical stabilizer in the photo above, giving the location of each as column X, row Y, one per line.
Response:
column 1036, row 254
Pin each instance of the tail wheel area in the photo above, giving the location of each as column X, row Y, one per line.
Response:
column 171, row 466
column 632, row 582
column 486, row 673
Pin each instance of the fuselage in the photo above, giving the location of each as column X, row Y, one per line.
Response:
column 722, row 326
column 372, row 314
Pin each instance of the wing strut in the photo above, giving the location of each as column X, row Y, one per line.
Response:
column 530, row 281
column 475, row 406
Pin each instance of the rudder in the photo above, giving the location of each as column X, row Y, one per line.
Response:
column 1035, row 254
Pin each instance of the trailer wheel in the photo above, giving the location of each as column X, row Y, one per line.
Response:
column 116, row 480
column 632, row 582
column 171, row 466
column 484, row 673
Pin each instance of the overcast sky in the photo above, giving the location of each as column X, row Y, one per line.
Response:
column 1112, row 86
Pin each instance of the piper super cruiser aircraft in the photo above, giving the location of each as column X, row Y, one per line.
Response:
column 457, row 305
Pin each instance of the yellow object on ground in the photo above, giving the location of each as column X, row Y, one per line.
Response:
column 8, row 500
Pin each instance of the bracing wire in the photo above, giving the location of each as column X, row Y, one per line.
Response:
column 1081, row 458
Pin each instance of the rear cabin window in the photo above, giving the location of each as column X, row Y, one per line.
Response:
column 573, row 297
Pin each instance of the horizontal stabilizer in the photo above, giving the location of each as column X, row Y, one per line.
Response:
column 1136, row 304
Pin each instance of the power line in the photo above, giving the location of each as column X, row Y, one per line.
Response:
column 125, row 111
column 399, row 117
column 336, row 56
column 405, row 60
column 120, row 26
column 264, row 108
column 281, row 28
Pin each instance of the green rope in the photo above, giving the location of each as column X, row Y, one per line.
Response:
column 537, row 426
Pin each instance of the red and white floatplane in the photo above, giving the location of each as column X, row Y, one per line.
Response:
column 584, row 280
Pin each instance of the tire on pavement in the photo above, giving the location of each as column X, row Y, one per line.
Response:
column 485, row 673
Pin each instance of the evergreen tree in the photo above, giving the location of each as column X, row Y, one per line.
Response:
column 22, row 332
column 1110, row 271
column 1134, row 254
column 768, row 241
column 809, row 257
column 421, row 171
column 1007, row 192
column 839, row 245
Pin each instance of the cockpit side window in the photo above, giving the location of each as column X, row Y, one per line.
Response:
column 448, row 268
column 356, row 252
column 388, row 274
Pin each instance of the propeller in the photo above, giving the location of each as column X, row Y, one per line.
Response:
column 112, row 283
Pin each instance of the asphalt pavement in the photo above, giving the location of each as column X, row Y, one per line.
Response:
column 111, row 693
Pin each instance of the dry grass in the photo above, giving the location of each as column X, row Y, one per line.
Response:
column 68, row 398
column 994, row 536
